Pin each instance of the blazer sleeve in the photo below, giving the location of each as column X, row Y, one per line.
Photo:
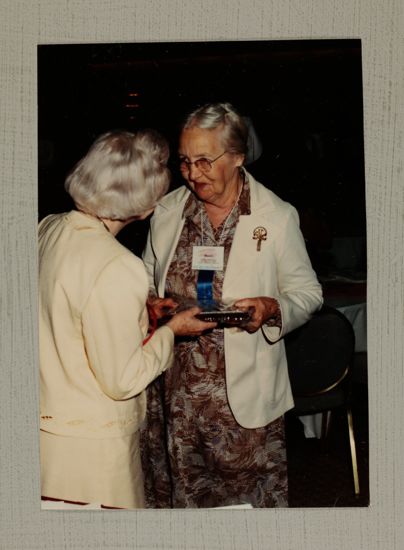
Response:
column 299, row 292
column 114, row 322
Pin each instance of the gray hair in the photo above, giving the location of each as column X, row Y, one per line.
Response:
column 123, row 175
column 214, row 115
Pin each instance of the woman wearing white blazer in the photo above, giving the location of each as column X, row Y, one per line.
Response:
column 95, row 356
column 225, row 397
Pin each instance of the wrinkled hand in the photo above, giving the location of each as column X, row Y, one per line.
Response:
column 263, row 309
column 186, row 324
column 161, row 306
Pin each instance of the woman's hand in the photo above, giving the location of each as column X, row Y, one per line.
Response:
column 264, row 310
column 186, row 324
column 161, row 306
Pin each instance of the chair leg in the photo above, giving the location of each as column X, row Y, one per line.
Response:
column 325, row 423
column 325, row 426
column 353, row 451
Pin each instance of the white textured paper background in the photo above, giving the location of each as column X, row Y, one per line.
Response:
column 24, row 24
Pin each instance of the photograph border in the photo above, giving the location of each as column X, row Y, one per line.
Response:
column 24, row 25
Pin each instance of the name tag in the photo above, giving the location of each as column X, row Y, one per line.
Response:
column 208, row 258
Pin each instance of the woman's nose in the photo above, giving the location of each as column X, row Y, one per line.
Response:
column 193, row 171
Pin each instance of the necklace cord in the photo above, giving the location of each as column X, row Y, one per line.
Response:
column 226, row 219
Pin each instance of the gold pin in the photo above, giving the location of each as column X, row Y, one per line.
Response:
column 259, row 234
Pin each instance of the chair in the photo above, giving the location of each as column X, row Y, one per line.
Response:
column 320, row 356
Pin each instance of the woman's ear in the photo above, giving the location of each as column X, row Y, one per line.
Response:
column 239, row 159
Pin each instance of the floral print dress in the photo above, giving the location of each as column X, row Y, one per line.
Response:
column 195, row 454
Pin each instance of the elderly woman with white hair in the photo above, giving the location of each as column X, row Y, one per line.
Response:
column 225, row 240
column 96, row 356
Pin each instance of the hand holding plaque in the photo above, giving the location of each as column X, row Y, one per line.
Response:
column 213, row 311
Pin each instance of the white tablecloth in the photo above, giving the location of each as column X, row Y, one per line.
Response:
column 356, row 314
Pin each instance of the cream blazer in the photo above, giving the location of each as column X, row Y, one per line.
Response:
column 257, row 379
column 92, row 321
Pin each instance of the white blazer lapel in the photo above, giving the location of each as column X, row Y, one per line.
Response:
column 243, row 252
column 168, row 227
column 244, row 247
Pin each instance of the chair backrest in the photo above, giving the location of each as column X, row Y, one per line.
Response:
column 320, row 352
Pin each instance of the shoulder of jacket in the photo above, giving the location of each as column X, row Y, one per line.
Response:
column 120, row 266
column 115, row 252
column 103, row 252
column 173, row 199
column 121, row 273
column 263, row 197
column 48, row 220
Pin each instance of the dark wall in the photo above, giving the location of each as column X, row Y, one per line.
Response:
column 304, row 98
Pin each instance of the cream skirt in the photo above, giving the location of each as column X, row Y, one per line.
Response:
column 98, row 471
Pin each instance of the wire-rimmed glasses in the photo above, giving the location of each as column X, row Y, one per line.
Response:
column 203, row 164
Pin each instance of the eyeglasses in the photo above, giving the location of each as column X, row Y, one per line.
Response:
column 203, row 164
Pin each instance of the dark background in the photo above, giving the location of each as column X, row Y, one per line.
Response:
column 304, row 98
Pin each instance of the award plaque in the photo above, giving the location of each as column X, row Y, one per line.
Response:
column 213, row 311
column 232, row 317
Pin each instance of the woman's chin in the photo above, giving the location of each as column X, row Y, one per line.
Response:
column 202, row 191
